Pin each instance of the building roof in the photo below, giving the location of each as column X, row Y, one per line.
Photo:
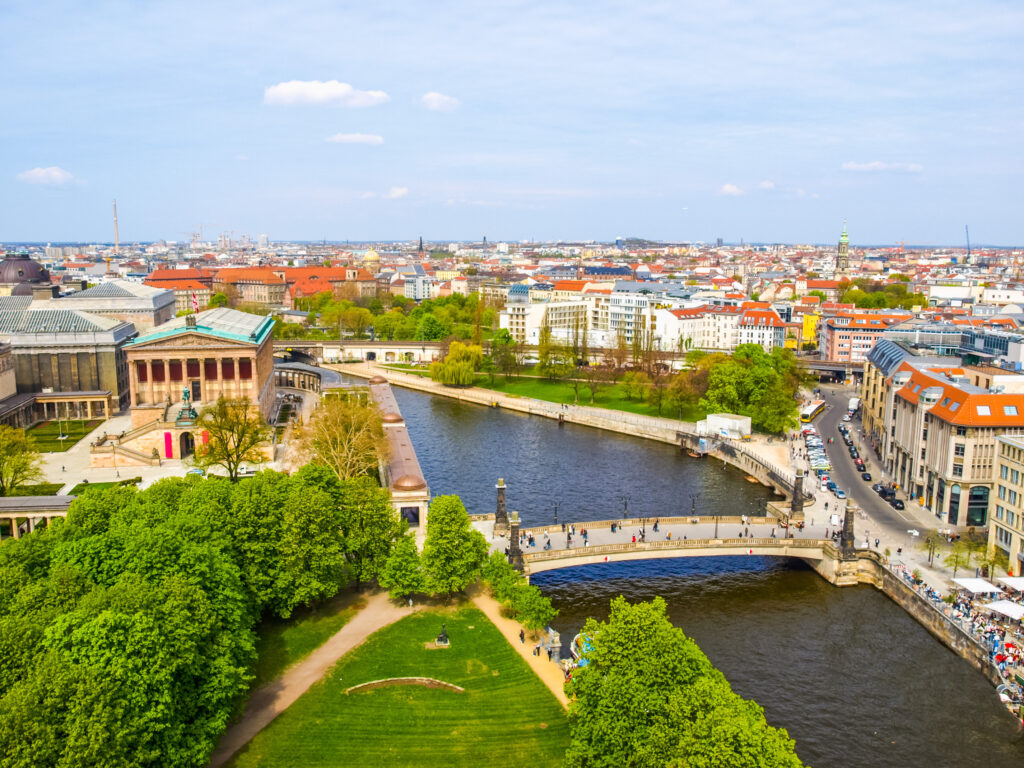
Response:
column 120, row 289
column 32, row 320
column 221, row 323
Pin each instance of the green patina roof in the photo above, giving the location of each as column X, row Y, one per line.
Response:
column 844, row 238
column 222, row 323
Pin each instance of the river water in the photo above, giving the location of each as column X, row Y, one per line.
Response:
column 853, row 679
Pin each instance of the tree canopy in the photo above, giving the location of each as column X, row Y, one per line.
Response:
column 754, row 383
column 648, row 697
column 19, row 459
column 237, row 434
column 345, row 434
column 126, row 630
column 453, row 552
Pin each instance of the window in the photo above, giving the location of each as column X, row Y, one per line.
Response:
column 958, row 449
column 1010, row 410
column 958, row 471
column 922, row 454
column 999, row 512
column 1003, row 472
column 1011, row 518
column 1003, row 536
column 1013, row 497
column 1002, row 492
column 983, row 410
column 1014, row 476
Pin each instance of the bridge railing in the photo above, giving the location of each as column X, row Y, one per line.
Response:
column 675, row 544
column 637, row 520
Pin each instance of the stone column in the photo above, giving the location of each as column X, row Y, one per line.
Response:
column 14, row 528
column 220, row 375
column 796, row 507
column 149, row 381
column 846, row 540
column 515, row 554
column 202, row 380
column 500, row 514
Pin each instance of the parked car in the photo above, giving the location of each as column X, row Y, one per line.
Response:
column 846, row 417
column 840, row 493
column 832, row 486
column 865, row 476
column 896, row 503
column 859, row 463
column 854, row 453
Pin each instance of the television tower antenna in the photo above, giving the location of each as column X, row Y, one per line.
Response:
column 117, row 239
column 967, row 233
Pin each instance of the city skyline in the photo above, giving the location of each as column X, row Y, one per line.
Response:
column 521, row 121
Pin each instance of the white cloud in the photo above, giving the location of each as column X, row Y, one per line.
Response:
column 767, row 185
column 321, row 92
column 878, row 165
column 439, row 102
column 51, row 176
column 355, row 138
column 368, row 195
column 730, row 189
column 395, row 192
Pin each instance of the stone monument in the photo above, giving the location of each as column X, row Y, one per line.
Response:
column 515, row 553
column 500, row 514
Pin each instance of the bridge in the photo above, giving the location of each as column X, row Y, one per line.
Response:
column 345, row 350
column 545, row 548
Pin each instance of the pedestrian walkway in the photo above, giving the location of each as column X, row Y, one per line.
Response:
column 274, row 698
column 549, row 672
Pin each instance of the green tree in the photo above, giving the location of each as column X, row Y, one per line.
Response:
column 430, row 328
column 402, row 575
column 959, row 558
column 635, row 385
column 218, row 300
column 458, row 369
column 237, row 435
column 649, row 697
column 345, row 434
column 533, row 608
column 370, row 525
column 453, row 551
column 19, row 460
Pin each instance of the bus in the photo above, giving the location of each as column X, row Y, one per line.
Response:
column 811, row 410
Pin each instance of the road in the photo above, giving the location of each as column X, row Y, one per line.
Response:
column 846, row 476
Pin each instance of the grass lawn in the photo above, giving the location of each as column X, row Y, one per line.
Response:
column 83, row 487
column 610, row 397
column 45, row 434
column 506, row 717
column 42, row 489
column 282, row 642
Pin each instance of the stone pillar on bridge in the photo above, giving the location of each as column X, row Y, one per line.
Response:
column 500, row 514
column 797, row 505
column 515, row 554
column 846, row 540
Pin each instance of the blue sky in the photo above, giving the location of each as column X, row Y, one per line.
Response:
column 768, row 121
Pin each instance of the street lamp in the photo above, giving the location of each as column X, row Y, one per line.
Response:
column 625, row 506
column 556, row 513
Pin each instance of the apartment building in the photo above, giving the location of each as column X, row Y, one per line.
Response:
column 524, row 319
column 942, row 436
column 850, row 336
column 1007, row 524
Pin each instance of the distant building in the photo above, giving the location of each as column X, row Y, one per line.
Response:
column 142, row 305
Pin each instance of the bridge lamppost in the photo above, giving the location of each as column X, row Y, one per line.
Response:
column 625, row 506
column 556, row 513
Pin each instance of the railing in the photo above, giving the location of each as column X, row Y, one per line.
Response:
column 643, row 546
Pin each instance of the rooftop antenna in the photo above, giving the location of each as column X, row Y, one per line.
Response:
column 117, row 239
column 967, row 233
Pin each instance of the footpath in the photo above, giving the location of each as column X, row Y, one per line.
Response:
column 268, row 702
column 549, row 672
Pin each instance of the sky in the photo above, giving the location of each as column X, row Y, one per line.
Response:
column 768, row 121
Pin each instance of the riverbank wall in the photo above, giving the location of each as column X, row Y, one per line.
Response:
column 680, row 433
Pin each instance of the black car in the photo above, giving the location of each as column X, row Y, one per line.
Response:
column 854, row 454
column 896, row 503
column 877, row 487
column 849, row 442
column 865, row 476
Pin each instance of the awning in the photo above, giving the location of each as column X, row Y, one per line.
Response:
column 1013, row 582
column 977, row 586
column 1006, row 608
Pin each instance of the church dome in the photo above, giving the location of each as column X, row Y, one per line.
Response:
column 19, row 268
column 372, row 255
column 409, row 483
column 378, row 380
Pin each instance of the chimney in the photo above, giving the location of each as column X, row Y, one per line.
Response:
column 45, row 292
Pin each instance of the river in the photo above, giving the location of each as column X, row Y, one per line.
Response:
column 852, row 677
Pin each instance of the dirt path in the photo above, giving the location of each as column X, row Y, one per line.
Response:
column 275, row 697
column 549, row 672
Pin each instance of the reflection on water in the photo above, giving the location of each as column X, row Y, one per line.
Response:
column 853, row 679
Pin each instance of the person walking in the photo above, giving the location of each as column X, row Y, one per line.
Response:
column 522, row 636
